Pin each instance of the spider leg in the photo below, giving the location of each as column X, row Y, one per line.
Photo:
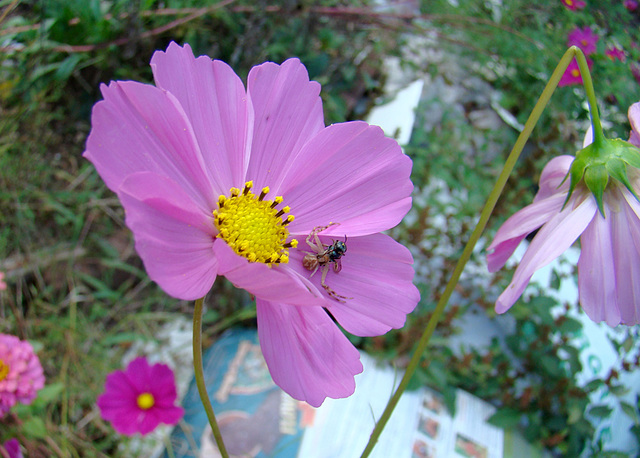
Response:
column 331, row 292
column 337, row 265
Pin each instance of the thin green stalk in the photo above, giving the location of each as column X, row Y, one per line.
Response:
column 473, row 239
column 587, row 83
column 199, row 373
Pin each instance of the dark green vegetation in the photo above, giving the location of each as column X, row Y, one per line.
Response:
column 79, row 292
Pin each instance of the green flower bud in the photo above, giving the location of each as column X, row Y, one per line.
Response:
column 599, row 161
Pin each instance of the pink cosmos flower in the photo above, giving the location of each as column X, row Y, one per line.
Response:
column 584, row 38
column 615, row 53
column 21, row 375
column 11, row 448
column 631, row 5
column 3, row 285
column 574, row 5
column 609, row 264
column 210, row 174
column 571, row 75
column 138, row 399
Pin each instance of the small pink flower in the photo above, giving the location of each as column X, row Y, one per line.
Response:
column 615, row 53
column 631, row 5
column 609, row 264
column 210, row 174
column 572, row 74
column 574, row 5
column 138, row 399
column 21, row 375
column 3, row 285
column 12, row 449
column 584, row 39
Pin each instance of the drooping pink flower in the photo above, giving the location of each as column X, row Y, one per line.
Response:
column 209, row 174
column 574, row 5
column 12, row 448
column 3, row 285
column 21, row 374
column 571, row 75
column 615, row 53
column 631, row 5
column 609, row 264
column 584, row 38
column 139, row 398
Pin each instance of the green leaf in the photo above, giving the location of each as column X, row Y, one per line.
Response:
column 48, row 394
column 600, row 411
column 631, row 411
column 35, row 428
column 505, row 418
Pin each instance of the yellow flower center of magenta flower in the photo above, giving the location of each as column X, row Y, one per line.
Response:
column 253, row 227
column 146, row 401
column 4, row 370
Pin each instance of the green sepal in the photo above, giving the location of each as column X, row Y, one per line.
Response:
column 576, row 172
column 626, row 151
column 596, row 179
column 617, row 169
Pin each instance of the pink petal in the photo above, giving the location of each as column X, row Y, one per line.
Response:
column 306, row 353
column 550, row 242
column 163, row 386
column 139, row 375
column 597, row 271
column 634, row 119
column 552, row 178
column 377, row 275
column 287, row 112
column 147, row 421
column 215, row 101
column 140, row 128
column 352, row 174
column 277, row 284
column 518, row 226
column 625, row 228
column 170, row 415
column 173, row 236
column 126, row 422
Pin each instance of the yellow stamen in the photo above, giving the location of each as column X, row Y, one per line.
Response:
column 575, row 73
column 253, row 227
column 4, row 370
column 145, row 401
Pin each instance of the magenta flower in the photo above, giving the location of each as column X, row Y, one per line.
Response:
column 138, row 399
column 609, row 264
column 3, row 285
column 615, row 53
column 574, row 5
column 21, row 375
column 584, row 38
column 571, row 75
column 631, row 5
column 210, row 176
column 11, row 448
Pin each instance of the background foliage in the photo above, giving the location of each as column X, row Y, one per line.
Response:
column 78, row 290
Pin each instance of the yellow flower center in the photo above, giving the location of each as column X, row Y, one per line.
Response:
column 569, row 3
column 4, row 370
column 146, row 401
column 575, row 73
column 253, row 227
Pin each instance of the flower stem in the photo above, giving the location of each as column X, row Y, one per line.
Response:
column 473, row 239
column 199, row 373
column 587, row 83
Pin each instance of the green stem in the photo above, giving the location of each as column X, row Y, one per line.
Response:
column 587, row 83
column 468, row 249
column 199, row 373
